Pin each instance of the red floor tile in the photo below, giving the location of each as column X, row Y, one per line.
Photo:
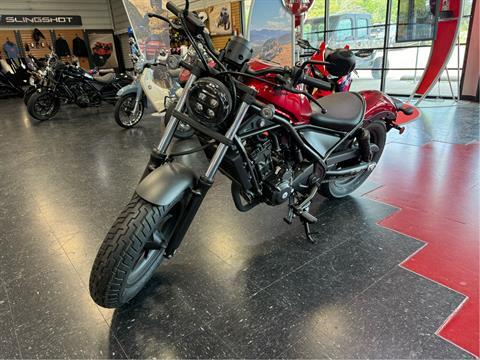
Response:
column 435, row 187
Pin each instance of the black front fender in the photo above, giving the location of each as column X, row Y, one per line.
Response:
column 166, row 183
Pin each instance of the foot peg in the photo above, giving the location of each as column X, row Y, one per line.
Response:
column 307, row 217
column 303, row 214
column 401, row 129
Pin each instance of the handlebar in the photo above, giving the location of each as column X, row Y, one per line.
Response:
column 318, row 83
column 195, row 25
column 173, row 8
column 298, row 74
column 269, row 70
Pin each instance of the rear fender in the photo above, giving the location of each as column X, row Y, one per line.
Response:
column 378, row 106
column 166, row 183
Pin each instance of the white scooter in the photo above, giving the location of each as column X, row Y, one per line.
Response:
column 152, row 79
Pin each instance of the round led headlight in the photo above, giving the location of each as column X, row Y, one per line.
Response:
column 209, row 101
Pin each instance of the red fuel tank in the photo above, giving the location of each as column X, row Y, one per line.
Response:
column 296, row 107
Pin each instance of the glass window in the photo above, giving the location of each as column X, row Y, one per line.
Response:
column 314, row 26
column 344, row 30
column 416, row 20
column 362, row 28
column 361, row 24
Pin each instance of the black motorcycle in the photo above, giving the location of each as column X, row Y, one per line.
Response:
column 273, row 152
column 37, row 70
column 9, row 85
column 70, row 84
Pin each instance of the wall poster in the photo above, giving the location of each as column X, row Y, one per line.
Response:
column 220, row 20
column 270, row 31
column 152, row 35
column 103, row 51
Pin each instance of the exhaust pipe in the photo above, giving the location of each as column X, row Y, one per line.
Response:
column 352, row 170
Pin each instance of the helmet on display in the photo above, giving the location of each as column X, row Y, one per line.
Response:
column 342, row 62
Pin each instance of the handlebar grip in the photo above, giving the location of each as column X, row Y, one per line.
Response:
column 173, row 8
column 320, row 84
column 269, row 70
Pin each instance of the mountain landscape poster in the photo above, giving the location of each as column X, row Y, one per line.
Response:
column 270, row 31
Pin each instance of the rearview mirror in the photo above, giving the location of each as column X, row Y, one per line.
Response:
column 305, row 44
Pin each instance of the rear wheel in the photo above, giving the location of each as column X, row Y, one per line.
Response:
column 124, row 115
column 341, row 188
column 43, row 105
column 124, row 263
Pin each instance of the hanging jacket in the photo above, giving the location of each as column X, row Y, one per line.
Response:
column 37, row 35
column 61, row 47
column 11, row 50
column 79, row 47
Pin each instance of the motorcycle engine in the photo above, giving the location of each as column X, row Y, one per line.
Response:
column 275, row 174
column 84, row 96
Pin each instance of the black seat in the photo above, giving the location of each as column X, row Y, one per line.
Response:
column 344, row 111
column 105, row 79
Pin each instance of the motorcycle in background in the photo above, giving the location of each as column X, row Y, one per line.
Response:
column 71, row 84
column 9, row 85
column 336, row 66
column 132, row 99
column 131, row 102
column 38, row 70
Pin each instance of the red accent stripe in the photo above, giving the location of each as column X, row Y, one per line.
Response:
column 436, row 188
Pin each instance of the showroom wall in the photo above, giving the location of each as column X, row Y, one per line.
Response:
column 95, row 13
column 119, row 17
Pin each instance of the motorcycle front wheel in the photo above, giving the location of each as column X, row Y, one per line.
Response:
column 43, row 105
column 124, row 263
column 341, row 188
column 124, row 115
column 28, row 94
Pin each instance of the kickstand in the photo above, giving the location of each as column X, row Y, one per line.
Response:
column 308, row 233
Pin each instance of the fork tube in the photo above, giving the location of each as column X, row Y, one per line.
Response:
column 204, row 183
column 138, row 98
column 222, row 148
column 172, row 124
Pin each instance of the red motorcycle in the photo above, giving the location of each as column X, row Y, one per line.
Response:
column 334, row 65
column 274, row 141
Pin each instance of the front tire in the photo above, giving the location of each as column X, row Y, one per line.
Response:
column 124, row 116
column 43, row 105
column 123, row 265
column 28, row 94
column 340, row 188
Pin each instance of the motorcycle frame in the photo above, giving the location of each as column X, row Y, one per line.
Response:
column 203, row 183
